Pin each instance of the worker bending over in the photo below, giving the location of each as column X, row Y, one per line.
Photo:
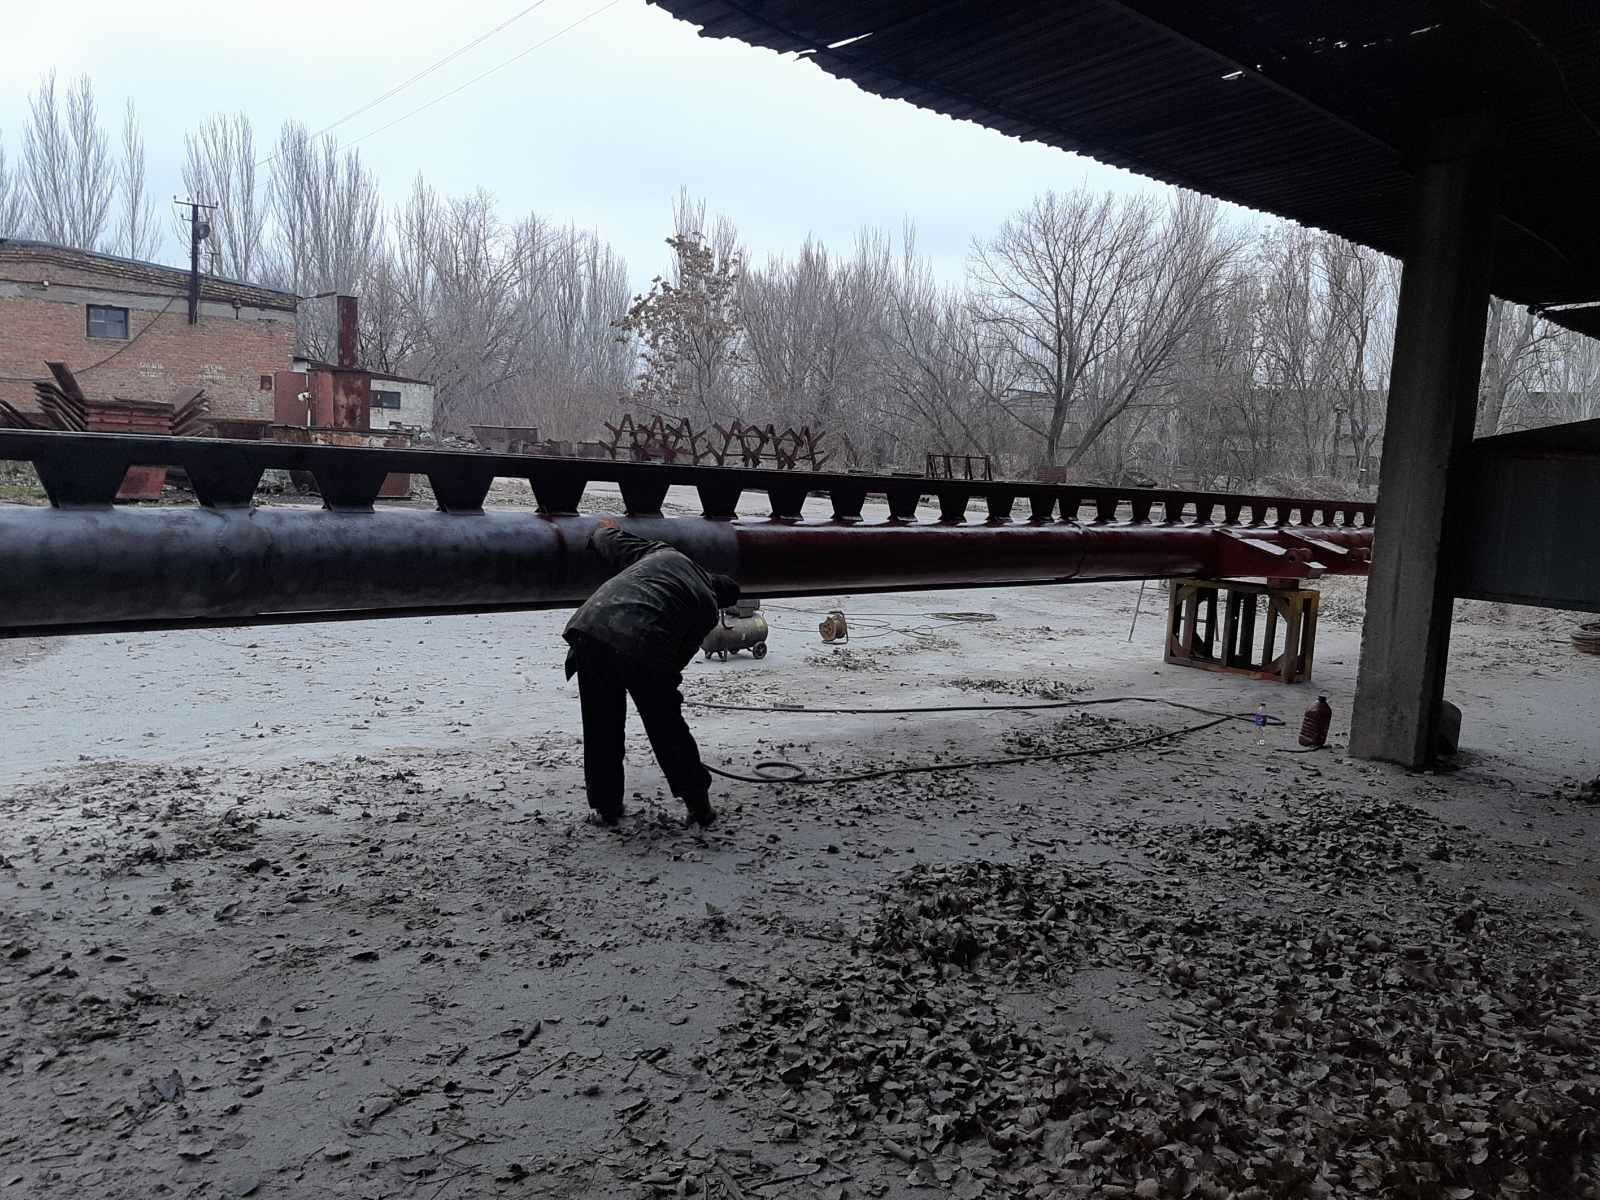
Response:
column 634, row 636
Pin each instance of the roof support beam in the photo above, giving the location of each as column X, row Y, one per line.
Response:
column 1438, row 351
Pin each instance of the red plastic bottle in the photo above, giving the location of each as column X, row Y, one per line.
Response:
column 1314, row 729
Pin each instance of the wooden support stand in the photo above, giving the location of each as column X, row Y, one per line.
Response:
column 1195, row 639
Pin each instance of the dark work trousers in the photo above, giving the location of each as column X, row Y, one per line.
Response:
column 605, row 679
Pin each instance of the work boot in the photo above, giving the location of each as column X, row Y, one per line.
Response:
column 608, row 817
column 700, row 811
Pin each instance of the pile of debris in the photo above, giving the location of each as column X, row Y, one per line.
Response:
column 1295, row 1058
column 1317, row 839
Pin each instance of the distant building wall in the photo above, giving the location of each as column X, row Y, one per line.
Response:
column 416, row 403
column 244, row 334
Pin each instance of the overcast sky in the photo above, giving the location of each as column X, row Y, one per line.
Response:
column 600, row 126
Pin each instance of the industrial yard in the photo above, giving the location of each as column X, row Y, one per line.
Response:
column 314, row 911
column 800, row 600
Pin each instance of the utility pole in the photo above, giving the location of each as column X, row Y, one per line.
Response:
column 199, row 231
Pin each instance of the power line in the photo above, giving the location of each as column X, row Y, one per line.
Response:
column 479, row 78
column 420, row 75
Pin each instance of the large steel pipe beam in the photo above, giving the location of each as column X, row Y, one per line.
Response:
column 84, row 565
column 89, row 570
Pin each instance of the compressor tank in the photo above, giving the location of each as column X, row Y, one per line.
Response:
column 741, row 627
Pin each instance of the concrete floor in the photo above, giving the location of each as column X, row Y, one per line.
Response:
column 338, row 880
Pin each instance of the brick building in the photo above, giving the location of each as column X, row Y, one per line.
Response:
column 122, row 327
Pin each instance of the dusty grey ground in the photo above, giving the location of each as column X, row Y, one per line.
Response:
column 313, row 912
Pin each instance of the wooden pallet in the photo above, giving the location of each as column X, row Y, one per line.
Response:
column 1195, row 638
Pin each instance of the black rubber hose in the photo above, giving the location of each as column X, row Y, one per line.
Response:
column 949, row 708
column 799, row 775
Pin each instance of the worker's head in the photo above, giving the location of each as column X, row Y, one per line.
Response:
column 726, row 590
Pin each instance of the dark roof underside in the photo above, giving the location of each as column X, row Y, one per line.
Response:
column 1321, row 126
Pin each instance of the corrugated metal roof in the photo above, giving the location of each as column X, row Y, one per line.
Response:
column 1309, row 109
column 137, row 271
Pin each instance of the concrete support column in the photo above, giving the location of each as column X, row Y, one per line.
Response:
column 1438, row 352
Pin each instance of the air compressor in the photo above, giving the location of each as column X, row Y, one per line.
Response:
column 741, row 627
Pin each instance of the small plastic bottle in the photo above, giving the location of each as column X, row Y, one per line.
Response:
column 1260, row 722
column 1314, row 729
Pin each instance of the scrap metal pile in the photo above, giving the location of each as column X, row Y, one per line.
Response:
column 660, row 440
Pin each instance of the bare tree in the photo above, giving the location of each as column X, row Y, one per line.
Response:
column 1363, row 288
column 1045, row 285
column 397, row 292
column 1325, row 323
column 389, row 331
column 1570, row 380
column 816, row 338
column 138, row 235
column 291, row 190
column 1091, row 297
column 13, row 199
column 514, row 324
column 1513, row 345
column 1299, row 355
column 470, row 329
column 327, row 223
column 690, row 325
column 1222, row 428
column 406, row 270
column 567, row 293
column 220, row 168
column 325, row 210
column 937, row 376
column 71, row 180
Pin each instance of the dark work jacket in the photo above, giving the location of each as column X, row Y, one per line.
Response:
column 654, row 612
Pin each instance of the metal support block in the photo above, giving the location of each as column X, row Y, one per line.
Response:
column 460, row 489
column 1000, row 502
column 349, row 487
column 953, row 506
column 557, row 495
column 225, row 481
column 719, row 502
column 903, row 500
column 643, row 497
column 1196, row 639
column 788, row 500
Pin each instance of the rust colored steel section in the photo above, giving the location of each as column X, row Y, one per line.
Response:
column 133, row 416
column 349, row 330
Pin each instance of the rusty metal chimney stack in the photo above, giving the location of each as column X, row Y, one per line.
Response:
column 347, row 331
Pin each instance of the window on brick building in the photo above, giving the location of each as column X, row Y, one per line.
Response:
column 385, row 399
column 266, row 383
column 105, row 321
